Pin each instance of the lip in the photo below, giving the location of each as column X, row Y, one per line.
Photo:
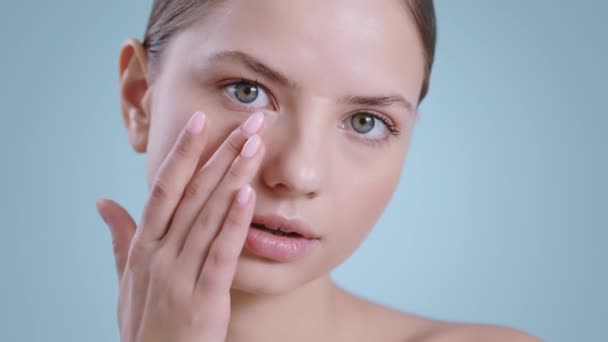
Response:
column 281, row 248
column 287, row 225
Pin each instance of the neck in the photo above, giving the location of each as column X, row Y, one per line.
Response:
column 304, row 314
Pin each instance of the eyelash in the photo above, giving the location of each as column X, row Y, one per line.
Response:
column 376, row 142
column 392, row 128
column 386, row 121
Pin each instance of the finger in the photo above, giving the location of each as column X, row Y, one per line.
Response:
column 212, row 216
column 207, row 179
column 217, row 273
column 122, row 227
column 171, row 179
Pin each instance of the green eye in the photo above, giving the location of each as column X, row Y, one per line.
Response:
column 246, row 92
column 362, row 122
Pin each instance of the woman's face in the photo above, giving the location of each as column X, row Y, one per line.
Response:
column 328, row 74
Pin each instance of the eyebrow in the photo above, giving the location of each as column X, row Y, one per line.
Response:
column 378, row 101
column 255, row 65
column 260, row 67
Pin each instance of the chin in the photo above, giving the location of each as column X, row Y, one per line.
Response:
column 262, row 277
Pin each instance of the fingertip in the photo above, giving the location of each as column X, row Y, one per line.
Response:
column 101, row 205
column 262, row 148
column 105, row 207
column 196, row 123
column 244, row 195
column 253, row 194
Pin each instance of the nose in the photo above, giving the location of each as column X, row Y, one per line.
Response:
column 293, row 165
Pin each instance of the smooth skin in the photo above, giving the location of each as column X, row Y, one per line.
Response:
column 183, row 274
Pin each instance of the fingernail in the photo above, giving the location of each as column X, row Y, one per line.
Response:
column 196, row 123
column 244, row 194
column 253, row 124
column 251, row 146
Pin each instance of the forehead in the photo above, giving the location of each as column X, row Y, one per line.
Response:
column 329, row 45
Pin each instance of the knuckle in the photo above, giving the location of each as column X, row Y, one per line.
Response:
column 194, row 189
column 159, row 190
column 117, row 247
column 236, row 171
column 199, row 185
column 203, row 219
column 208, row 284
column 220, row 258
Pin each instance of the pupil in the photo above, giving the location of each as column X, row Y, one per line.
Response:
column 246, row 92
column 362, row 123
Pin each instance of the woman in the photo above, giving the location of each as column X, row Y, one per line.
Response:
column 303, row 112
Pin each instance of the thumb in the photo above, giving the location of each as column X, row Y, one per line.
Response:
column 122, row 227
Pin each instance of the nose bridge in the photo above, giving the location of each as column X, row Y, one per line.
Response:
column 297, row 151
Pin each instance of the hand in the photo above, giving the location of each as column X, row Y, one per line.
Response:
column 176, row 269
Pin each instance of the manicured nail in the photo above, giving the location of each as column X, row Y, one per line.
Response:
column 244, row 195
column 251, row 146
column 196, row 123
column 253, row 124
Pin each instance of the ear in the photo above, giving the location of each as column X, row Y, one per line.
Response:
column 135, row 93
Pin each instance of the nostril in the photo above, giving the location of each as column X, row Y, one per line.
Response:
column 311, row 195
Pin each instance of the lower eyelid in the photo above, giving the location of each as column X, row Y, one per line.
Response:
column 369, row 142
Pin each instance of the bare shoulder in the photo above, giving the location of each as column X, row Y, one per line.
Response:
column 459, row 332
column 373, row 322
column 412, row 328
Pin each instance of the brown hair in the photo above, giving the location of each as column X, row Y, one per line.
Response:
column 170, row 16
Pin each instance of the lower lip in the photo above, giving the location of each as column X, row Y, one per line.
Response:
column 278, row 248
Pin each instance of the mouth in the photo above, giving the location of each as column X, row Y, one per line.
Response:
column 282, row 226
column 275, row 231
column 278, row 238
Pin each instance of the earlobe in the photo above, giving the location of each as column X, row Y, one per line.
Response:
column 137, row 130
column 134, row 93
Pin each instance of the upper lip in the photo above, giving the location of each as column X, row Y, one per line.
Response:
column 287, row 225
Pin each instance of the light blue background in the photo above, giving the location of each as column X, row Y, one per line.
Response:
column 500, row 216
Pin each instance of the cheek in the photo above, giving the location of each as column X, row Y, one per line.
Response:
column 162, row 137
column 362, row 199
column 166, row 130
